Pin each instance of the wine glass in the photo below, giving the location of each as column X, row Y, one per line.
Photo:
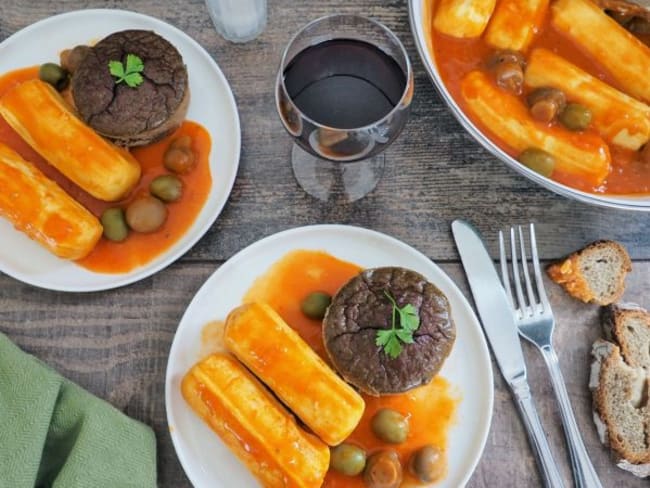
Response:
column 343, row 92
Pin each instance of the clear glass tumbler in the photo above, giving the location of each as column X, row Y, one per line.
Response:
column 343, row 92
column 238, row 20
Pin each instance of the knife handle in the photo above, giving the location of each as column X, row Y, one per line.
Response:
column 536, row 435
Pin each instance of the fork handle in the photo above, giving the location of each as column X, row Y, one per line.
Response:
column 536, row 435
column 584, row 474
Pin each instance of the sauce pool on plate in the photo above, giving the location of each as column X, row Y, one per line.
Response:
column 430, row 409
column 138, row 249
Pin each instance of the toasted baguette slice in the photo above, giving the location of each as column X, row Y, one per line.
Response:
column 628, row 326
column 595, row 273
column 619, row 383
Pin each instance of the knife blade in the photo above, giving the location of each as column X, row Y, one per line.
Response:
column 501, row 330
column 491, row 301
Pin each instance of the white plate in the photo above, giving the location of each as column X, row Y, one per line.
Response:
column 209, row 463
column 212, row 105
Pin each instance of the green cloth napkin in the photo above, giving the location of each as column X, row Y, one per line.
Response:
column 55, row 434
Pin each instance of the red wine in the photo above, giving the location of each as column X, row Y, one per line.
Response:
column 344, row 83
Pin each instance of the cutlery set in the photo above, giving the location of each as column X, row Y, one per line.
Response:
column 526, row 312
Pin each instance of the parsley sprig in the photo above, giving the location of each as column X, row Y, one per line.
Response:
column 391, row 339
column 129, row 74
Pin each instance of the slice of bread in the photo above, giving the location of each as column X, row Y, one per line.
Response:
column 628, row 325
column 595, row 273
column 619, row 380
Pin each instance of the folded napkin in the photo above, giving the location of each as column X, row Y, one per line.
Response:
column 55, row 434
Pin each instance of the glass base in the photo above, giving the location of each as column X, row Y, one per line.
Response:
column 336, row 182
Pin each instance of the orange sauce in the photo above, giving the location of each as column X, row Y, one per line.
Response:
column 455, row 58
column 291, row 279
column 430, row 409
column 138, row 249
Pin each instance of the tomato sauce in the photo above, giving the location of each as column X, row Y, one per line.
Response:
column 455, row 58
column 430, row 409
column 138, row 249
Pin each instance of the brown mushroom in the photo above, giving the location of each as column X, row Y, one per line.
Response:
column 383, row 470
column 634, row 16
column 510, row 77
column 71, row 58
column 644, row 154
column 546, row 103
column 508, row 67
column 505, row 56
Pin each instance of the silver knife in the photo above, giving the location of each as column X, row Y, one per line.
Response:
column 501, row 330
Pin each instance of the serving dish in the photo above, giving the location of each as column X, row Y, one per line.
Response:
column 420, row 18
column 216, row 110
column 208, row 462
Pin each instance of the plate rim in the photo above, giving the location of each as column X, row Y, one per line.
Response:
column 141, row 272
column 261, row 243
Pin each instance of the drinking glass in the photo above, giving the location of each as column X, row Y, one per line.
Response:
column 238, row 20
column 342, row 163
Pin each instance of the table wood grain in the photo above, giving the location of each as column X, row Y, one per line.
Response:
column 116, row 343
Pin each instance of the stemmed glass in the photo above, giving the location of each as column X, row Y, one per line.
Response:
column 343, row 92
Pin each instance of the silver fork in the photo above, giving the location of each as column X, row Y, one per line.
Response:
column 535, row 321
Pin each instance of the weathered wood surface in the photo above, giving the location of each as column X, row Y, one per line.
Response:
column 435, row 172
column 115, row 343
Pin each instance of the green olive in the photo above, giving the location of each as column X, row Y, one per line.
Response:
column 53, row 74
column 427, row 464
column 538, row 160
column 347, row 459
column 575, row 117
column 383, row 470
column 166, row 187
column 114, row 223
column 315, row 305
column 146, row 214
column 390, row 426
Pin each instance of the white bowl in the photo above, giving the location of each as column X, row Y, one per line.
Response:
column 420, row 12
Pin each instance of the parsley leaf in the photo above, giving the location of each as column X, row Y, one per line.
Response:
column 133, row 79
column 116, row 68
column 383, row 336
column 406, row 336
column 408, row 317
column 393, row 348
column 134, row 64
column 129, row 74
column 391, row 339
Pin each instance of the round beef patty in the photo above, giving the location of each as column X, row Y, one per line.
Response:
column 132, row 116
column 361, row 308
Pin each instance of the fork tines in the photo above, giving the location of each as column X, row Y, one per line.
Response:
column 518, row 276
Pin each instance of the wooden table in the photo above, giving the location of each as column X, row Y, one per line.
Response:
column 115, row 343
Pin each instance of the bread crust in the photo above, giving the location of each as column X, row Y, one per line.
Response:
column 567, row 273
column 612, row 318
column 610, row 355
